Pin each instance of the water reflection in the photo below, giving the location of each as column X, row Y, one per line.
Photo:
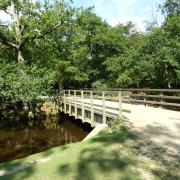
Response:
column 39, row 135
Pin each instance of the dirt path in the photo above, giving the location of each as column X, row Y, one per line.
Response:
column 158, row 125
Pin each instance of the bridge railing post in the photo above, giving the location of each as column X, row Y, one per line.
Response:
column 92, row 111
column 75, row 104
column 69, row 94
column 120, row 103
column 144, row 95
column 104, row 107
column 82, row 104
column 161, row 95
column 64, row 101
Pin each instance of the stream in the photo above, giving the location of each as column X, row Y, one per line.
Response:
column 40, row 135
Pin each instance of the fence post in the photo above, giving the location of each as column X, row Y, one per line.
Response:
column 64, row 101
column 120, row 104
column 82, row 103
column 75, row 104
column 131, row 97
column 92, row 111
column 104, row 107
column 69, row 92
column 161, row 99
column 61, row 101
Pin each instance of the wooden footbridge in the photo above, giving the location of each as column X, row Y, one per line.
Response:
column 98, row 107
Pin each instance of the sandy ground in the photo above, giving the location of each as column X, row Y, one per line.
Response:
column 156, row 124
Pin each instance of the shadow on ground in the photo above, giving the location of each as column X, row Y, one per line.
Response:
column 161, row 134
column 28, row 171
column 23, row 168
column 161, row 154
column 102, row 159
column 111, row 160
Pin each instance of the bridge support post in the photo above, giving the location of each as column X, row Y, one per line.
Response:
column 144, row 95
column 92, row 111
column 64, row 101
column 120, row 104
column 161, row 95
column 75, row 106
column 104, row 107
column 69, row 92
column 82, row 107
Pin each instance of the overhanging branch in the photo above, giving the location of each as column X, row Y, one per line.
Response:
column 4, row 25
column 5, row 41
column 42, row 34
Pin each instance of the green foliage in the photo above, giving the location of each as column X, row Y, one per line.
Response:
column 65, row 72
column 59, row 46
column 170, row 8
column 20, row 82
column 117, row 125
column 99, row 84
column 32, row 20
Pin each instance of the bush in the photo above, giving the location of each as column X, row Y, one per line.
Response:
column 116, row 124
column 24, row 83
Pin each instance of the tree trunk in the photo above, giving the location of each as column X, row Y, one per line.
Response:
column 60, row 86
column 20, row 57
column 60, row 93
column 16, row 16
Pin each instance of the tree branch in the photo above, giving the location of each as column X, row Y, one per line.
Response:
column 5, row 41
column 50, row 30
column 4, row 25
column 42, row 34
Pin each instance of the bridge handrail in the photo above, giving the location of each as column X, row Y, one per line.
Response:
column 128, row 89
column 162, row 97
column 96, row 101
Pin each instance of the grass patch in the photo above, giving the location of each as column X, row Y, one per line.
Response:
column 117, row 155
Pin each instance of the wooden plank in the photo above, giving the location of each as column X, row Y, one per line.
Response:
column 75, row 108
column 64, row 100
column 82, row 105
column 120, row 104
column 100, row 111
column 153, row 90
column 108, row 113
column 162, row 102
column 104, row 107
column 92, row 112
column 135, row 89
column 156, row 96
column 97, row 105
column 156, row 102
column 69, row 93
column 144, row 93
